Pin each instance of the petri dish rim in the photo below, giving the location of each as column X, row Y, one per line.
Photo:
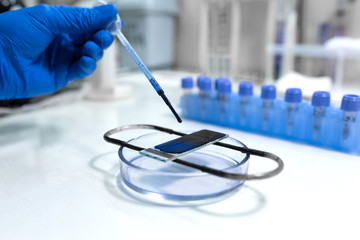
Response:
column 137, row 167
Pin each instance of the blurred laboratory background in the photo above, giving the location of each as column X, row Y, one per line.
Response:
column 263, row 41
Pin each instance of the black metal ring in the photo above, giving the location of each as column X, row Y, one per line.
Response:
column 206, row 169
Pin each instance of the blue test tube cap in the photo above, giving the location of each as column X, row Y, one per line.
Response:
column 204, row 83
column 201, row 79
column 224, row 86
column 268, row 92
column 293, row 95
column 246, row 89
column 350, row 103
column 321, row 99
column 187, row 83
column 218, row 80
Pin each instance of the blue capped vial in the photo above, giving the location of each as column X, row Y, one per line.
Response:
column 268, row 95
column 293, row 97
column 350, row 105
column 223, row 95
column 217, row 82
column 320, row 101
column 187, row 84
column 204, row 85
column 224, row 89
column 268, row 92
column 246, row 91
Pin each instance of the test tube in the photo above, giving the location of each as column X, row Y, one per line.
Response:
column 293, row 97
column 204, row 85
column 268, row 95
column 223, row 94
column 320, row 101
column 224, row 89
column 187, row 85
column 350, row 105
column 246, row 93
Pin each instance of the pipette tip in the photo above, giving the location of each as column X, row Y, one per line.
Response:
column 166, row 100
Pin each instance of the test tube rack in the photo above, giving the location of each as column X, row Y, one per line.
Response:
column 330, row 130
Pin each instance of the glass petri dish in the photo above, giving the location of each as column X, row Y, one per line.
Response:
column 169, row 183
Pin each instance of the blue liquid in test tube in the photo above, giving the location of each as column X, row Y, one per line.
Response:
column 223, row 95
column 187, row 85
column 350, row 105
column 204, row 85
column 268, row 95
column 293, row 96
column 320, row 101
column 246, row 93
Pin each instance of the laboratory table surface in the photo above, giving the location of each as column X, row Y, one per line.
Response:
column 57, row 179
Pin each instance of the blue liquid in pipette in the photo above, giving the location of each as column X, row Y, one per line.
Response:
column 115, row 29
column 146, row 71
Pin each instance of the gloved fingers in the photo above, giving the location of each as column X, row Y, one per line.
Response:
column 80, row 39
column 91, row 49
column 63, row 19
column 103, row 38
column 82, row 68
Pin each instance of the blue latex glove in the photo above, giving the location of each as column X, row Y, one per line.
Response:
column 44, row 47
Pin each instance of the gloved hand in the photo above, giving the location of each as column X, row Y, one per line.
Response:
column 44, row 47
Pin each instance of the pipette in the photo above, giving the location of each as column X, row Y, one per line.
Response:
column 115, row 29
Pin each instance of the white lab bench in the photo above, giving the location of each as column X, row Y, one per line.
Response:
column 57, row 180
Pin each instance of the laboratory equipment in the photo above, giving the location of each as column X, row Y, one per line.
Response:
column 217, row 80
column 219, row 38
column 115, row 29
column 204, row 84
column 223, row 95
column 293, row 97
column 187, row 84
column 232, row 39
column 316, row 122
column 268, row 95
column 350, row 105
column 224, row 89
column 204, row 176
column 144, row 20
column 320, row 101
column 186, row 144
column 245, row 93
